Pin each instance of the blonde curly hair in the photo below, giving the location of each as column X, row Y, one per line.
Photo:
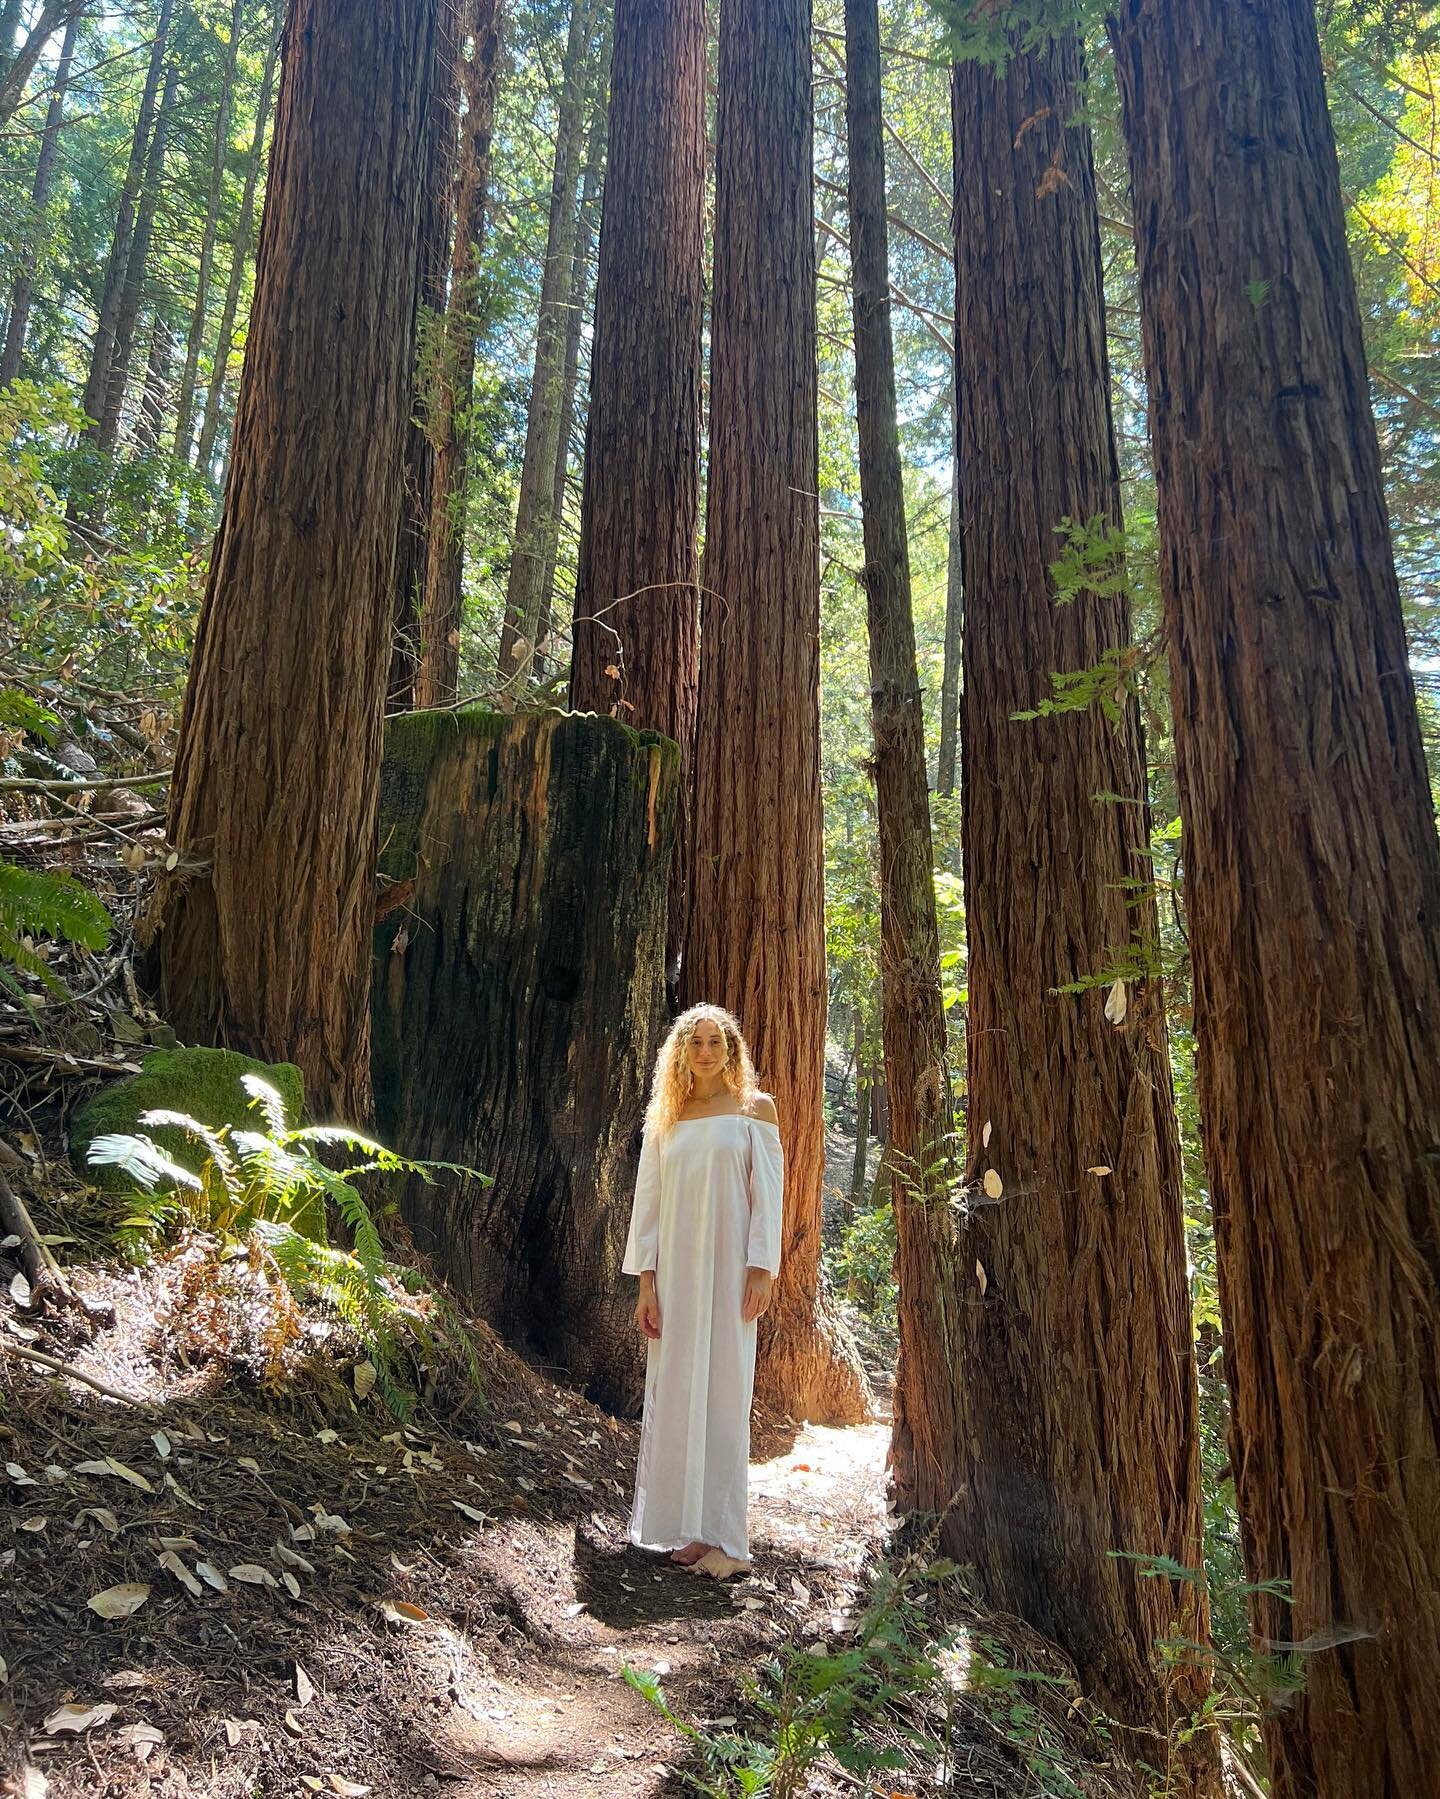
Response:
column 672, row 1081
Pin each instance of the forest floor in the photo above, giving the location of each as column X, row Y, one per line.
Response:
column 228, row 1592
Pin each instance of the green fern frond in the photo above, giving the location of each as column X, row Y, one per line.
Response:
column 267, row 1100
column 51, row 905
column 214, row 1140
column 143, row 1160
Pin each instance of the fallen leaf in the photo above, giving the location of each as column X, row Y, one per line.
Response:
column 293, row 1558
column 212, row 1576
column 470, row 1511
column 102, row 1515
column 161, row 1442
column 178, row 1543
column 118, row 1469
column 34, row 1524
column 33, row 1784
column 20, row 1291
column 982, row 1279
column 327, row 1436
column 124, row 1682
column 1101, row 1169
column 19, row 1476
column 985, row 1135
column 144, row 1739
column 4, row 1670
column 172, row 1564
column 993, row 1185
column 364, row 1376
column 401, row 1611
column 799, row 1589
column 253, row 1575
column 1115, row 1004
column 291, row 1585
column 248, row 1463
column 121, row 1601
column 293, row 1724
column 77, row 1719
column 304, row 1689
column 312, row 1782
column 351, row 1789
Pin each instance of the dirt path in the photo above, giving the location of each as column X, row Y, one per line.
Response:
column 564, row 1722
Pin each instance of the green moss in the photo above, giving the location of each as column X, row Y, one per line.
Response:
column 202, row 1083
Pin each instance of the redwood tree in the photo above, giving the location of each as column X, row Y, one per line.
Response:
column 1076, row 1440
column 265, row 924
column 913, row 1012
column 755, row 941
column 1312, row 875
column 636, row 597
column 454, row 365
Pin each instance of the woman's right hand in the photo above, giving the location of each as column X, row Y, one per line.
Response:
column 647, row 1308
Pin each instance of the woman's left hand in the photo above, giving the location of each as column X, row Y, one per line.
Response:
column 759, row 1286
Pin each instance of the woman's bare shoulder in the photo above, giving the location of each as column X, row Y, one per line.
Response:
column 764, row 1109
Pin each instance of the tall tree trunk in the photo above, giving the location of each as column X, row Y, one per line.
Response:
column 185, row 405
column 755, row 940
column 18, row 59
column 240, row 256
column 1075, row 1438
column 10, row 11
column 151, row 414
column 128, row 317
column 437, row 202
column 265, row 927
column 636, row 630
column 590, row 189
column 920, row 1146
column 1312, row 875
column 439, row 670
column 117, row 264
column 534, row 515
column 862, row 1118
column 954, row 622
column 22, row 295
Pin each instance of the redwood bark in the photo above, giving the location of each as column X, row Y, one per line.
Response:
column 1312, row 874
column 590, row 186
column 535, row 522
column 534, row 854
column 437, row 206
column 954, row 625
column 22, row 294
column 151, row 413
column 1075, row 1434
column 755, row 940
column 117, row 263
column 436, row 680
column 265, row 927
column 185, row 405
column 128, row 318
column 912, row 1012
column 240, row 256
column 636, row 619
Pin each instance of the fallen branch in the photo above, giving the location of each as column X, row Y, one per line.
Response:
column 47, row 1278
column 25, row 784
column 71, row 1372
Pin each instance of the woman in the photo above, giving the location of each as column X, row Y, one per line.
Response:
column 705, row 1241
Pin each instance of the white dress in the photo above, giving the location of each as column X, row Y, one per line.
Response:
column 708, row 1202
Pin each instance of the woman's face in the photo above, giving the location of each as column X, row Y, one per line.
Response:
column 705, row 1054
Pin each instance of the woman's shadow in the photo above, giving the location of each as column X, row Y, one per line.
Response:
column 627, row 1588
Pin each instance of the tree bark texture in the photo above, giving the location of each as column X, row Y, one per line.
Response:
column 137, row 266
column 535, row 522
column 591, row 183
column 921, row 1144
column 518, row 1008
column 151, row 413
column 102, row 351
column 265, row 927
column 22, row 294
column 636, row 620
column 1312, row 874
column 954, row 625
column 438, row 674
column 20, row 58
column 240, row 256
column 437, row 202
column 755, row 936
column 185, row 405
column 1075, row 1434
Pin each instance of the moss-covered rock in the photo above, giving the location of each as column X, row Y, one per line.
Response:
column 202, row 1083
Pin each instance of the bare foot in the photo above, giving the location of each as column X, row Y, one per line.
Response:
column 690, row 1554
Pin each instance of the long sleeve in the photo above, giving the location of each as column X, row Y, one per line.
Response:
column 767, row 1195
column 642, row 1250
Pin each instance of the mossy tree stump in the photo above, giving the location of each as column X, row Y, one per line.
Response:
column 518, row 1003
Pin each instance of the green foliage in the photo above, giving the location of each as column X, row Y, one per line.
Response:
column 990, row 32
column 272, row 1186
column 865, row 1262
column 808, row 1704
column 35, row 903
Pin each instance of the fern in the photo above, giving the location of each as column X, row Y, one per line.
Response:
column 35, row 904
column 271, row 1186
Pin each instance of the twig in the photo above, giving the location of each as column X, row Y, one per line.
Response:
column 71, row 1372
column 47, row 1277
column 23, row 784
